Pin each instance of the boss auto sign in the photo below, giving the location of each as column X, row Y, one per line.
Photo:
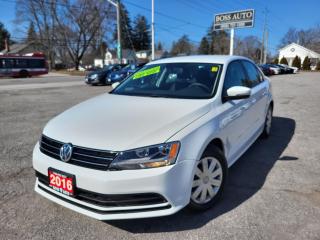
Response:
column 239, row 19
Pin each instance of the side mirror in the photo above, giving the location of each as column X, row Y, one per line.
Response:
column 114, row 85
column 237, row 92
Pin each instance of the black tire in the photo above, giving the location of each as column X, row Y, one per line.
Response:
column 23, row 74
column 267, row 129
column 216, row 153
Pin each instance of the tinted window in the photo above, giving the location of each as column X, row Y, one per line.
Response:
column 1, row 63
column 21, row 63
column 36, row 63
column 8, row 63
column 254, row 77
column 235, row 76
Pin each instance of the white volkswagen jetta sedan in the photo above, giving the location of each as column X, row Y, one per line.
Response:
column 161, row 140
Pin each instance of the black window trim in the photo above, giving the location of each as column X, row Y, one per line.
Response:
column 243, row 69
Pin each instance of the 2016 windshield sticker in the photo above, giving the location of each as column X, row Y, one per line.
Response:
column 146, row 72
column 214, row 69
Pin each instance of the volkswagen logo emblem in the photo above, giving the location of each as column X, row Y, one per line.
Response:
column 66, row 152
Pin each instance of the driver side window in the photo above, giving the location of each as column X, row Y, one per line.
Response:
column 235, row 76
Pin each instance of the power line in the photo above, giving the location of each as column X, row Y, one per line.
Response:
column 164, row 15
column 174, row 34
column 196, row 7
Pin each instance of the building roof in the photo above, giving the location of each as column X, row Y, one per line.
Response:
column 16, row 48
column 299, row 46
column 144, row 51
column 219, row 59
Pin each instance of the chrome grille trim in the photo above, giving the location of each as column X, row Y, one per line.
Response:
column 81, row 156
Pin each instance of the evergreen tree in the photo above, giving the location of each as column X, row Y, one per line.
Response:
column 204, row 47
column 159, row 46
column 219, row 41
column 4, row 34
column 283, row 61
column 125, row 28
column 275, row 61
column 306, row 63
column 182, row 46
column 103, row 49
column 296, row 62
column 141, row 34
column 31, row 35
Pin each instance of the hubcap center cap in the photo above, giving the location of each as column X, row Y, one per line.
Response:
column 205, row 179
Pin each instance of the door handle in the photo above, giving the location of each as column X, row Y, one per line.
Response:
column 253, row 101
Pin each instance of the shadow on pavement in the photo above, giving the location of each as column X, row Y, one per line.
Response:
column 246, row 177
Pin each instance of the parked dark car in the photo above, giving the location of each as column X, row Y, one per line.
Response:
column 285, row 69
column 266, row 69
column 118, row 76
column 99, row 77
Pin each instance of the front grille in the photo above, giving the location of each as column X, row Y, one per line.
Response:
column 111, row 200
column 84, row 157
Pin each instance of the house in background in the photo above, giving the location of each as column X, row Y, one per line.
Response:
column 292, row 50
column 23, row 48
column 128, row 56
column 145, row 55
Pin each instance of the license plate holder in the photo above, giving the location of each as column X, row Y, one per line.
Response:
column 62, row 182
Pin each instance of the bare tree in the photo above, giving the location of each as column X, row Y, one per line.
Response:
column 249, row 47
column 79, row 23
column 40, row 14
column 71, row 26
column 309, row 38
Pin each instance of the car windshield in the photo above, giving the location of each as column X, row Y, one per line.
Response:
column 172, row 80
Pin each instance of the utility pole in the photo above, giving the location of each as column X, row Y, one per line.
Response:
column 152, row 29
column 119, row 49
column 263, row 54
column 231, row 41
column 265, row 48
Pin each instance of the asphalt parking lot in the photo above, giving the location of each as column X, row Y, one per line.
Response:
column 273, row 190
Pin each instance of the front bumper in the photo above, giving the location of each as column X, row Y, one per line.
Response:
column 173, row 183
column 89, row 80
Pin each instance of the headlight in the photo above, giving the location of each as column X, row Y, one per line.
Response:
column 148, row 157
column 94, row 76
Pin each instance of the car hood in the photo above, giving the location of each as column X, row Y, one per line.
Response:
column 117, row 122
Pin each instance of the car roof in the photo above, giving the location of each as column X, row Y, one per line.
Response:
column 219, row 59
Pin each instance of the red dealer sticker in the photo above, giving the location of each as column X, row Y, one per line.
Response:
column 61, row 182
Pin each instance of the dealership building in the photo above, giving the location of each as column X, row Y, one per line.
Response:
column 292, row 50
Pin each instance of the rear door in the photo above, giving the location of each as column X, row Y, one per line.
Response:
column 258, row 98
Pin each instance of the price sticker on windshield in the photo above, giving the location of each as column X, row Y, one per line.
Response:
column 146, row 72
column 214, row 69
